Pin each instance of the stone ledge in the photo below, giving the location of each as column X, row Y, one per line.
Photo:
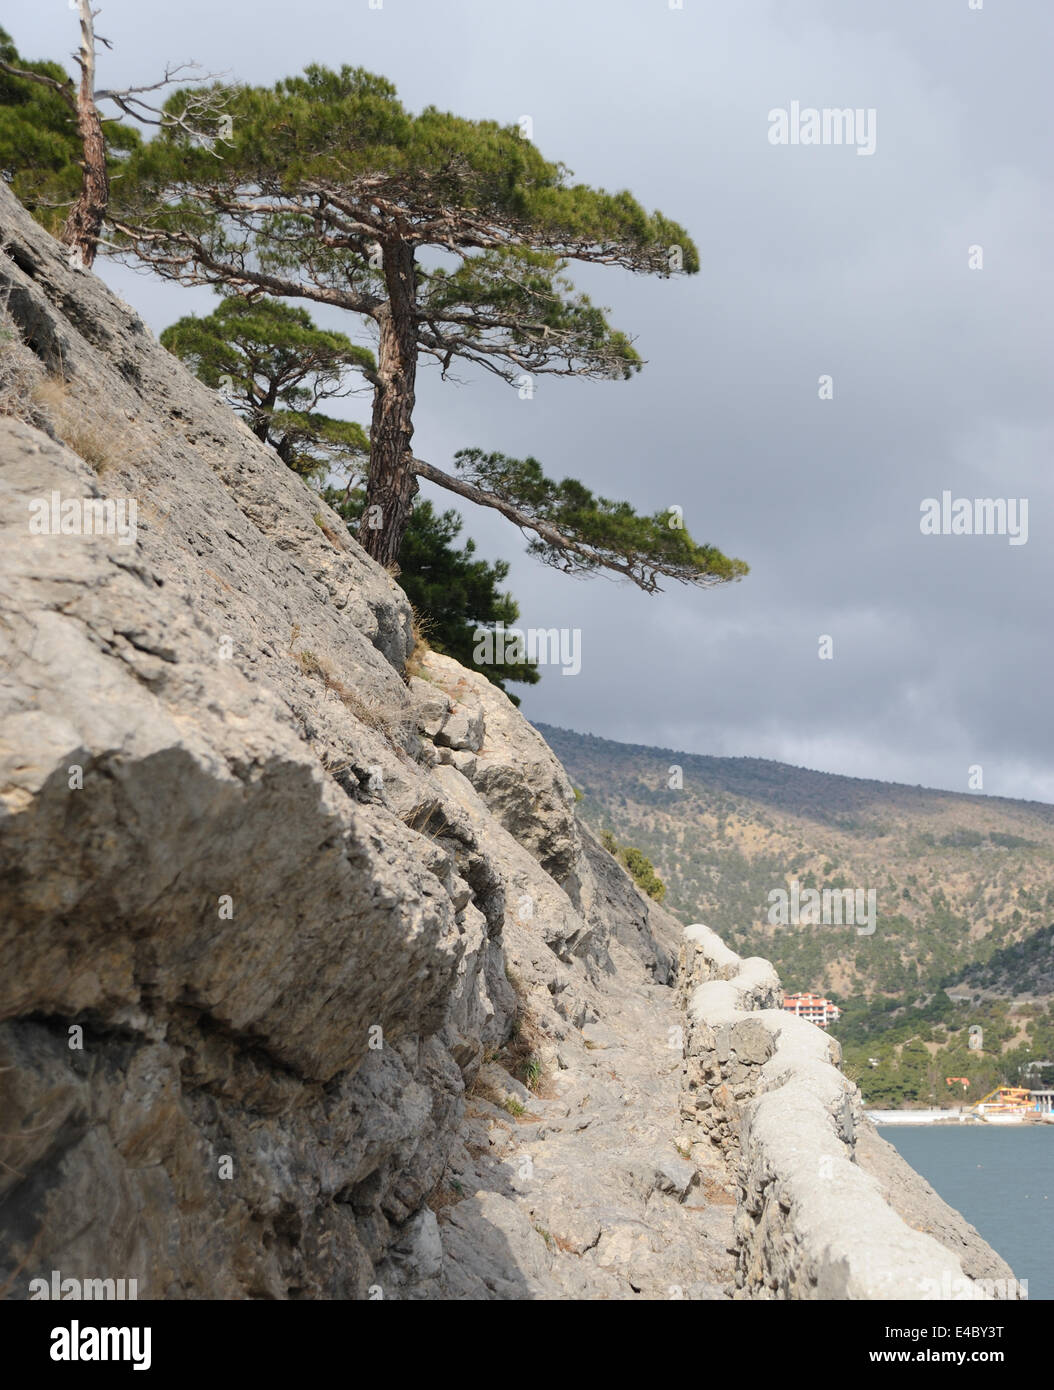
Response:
column 767, row 1089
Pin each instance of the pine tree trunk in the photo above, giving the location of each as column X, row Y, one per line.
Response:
column 84, row 223
column 392, row 485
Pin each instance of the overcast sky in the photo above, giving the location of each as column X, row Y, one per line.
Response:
column 815, row 260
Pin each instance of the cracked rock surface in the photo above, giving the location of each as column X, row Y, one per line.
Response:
column 313, row 983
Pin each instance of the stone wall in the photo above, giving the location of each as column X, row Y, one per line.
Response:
column 823, row 1204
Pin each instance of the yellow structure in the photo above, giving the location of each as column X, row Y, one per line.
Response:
column 1004, row 1105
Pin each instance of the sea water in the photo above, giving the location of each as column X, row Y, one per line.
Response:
column 1001, row 1177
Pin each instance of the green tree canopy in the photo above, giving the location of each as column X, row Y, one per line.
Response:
column 637, row 865
column 452, row 237
column 579, row 533
column 276, row 367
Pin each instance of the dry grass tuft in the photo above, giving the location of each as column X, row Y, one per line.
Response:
column 483, row 1088
column 369, row 712
column 101, row 437
column 328, row 532
column 446, row 1193
column 521, row 1055
column 415, row 661
column 554, row 1242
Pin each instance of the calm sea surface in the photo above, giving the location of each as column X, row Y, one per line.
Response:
column 1001, row 1179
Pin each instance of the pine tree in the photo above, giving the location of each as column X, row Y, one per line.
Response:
column 276, row 367
column 451, row 237
column 40, row 150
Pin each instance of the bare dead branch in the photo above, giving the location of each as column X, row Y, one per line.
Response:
column 66, row 90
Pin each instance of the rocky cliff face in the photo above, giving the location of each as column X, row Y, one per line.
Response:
column 264, row 894
column 314, row 986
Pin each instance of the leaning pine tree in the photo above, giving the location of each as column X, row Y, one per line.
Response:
column 452, row 237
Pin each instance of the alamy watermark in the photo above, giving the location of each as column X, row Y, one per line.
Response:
column 84, row 516
column 77, row 1343
column 547, row 646
column 89, row 1290
column 975, row 516
column 948, row 1289
column 831, row 125
column 813, row 907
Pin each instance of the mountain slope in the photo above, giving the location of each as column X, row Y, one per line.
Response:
column 963, row 884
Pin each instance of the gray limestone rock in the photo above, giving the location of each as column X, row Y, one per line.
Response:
column 314, row 985
column 277, row 919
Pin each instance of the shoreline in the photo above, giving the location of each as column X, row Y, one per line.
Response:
column 952, row 1118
